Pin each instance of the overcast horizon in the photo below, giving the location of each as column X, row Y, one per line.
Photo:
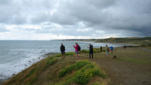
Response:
column 74, row 19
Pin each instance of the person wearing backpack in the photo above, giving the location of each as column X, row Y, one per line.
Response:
column 90, row 51
column 76, row 47
column 79, row 49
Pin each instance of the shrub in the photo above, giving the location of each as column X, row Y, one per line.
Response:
column 95, row 50
column 84, row 51
column 69, row 53
column 86, row 71
column 83, row 76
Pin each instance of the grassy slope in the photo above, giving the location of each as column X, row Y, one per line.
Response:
column 132, row 67
column 55, row 70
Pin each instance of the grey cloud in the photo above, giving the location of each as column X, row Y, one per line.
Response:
column 22, row 11
column 127, row 17
column 117, row 15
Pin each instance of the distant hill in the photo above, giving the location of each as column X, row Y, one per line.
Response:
column 143, row 41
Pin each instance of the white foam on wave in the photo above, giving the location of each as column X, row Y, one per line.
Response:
column 10, row 68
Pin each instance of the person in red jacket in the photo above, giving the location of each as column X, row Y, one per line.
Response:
column 76, row 46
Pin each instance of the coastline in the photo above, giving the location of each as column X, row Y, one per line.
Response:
column 139, row 41
column 39, row 59
column 48, row 68
column 42, row 57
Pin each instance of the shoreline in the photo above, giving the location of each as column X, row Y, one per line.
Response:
column 127, row 61
column 38, row 60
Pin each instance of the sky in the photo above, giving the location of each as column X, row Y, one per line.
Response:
column 74, row 19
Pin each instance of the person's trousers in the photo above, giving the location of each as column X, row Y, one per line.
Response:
column 90, row 55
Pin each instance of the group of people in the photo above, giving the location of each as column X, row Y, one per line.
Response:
column 109, row 49
column 78, row 48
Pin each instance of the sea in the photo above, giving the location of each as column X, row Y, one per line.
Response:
column 17, row 55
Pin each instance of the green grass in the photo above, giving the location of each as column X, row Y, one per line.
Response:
column 69, row 53
column 31, row 72
column 56, row 70
column 57, row 55
column 38, row 69
column 84, row 51
column 30, row 75
column 70, row 68
column 95, row 50
column 83, row 76
column 51, row 61
column 83, row 72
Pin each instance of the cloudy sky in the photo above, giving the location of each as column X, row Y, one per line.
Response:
column 66, row 19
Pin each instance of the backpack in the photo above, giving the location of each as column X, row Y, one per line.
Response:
column 79, row 48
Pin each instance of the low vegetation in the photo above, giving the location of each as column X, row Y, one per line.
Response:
column 72, row 67
column 73, row 70
column 55, row 70
column 95, row 50
column 82, row 73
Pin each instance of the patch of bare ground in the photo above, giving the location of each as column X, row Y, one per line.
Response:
column 132, row 66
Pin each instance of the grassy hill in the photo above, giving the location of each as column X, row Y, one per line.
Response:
column 55, row 70
column 132, row 67
column 145, row 41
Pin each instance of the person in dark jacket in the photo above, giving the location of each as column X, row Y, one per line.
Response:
column 62, row 49
column 91, row 51
column 101, row 49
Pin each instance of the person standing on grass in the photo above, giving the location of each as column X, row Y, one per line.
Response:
column 111, row 49
column 100, row 48
column 76, row 46
column 62, row 49
column 90, row 51
column 107, row 50
column 79, row 49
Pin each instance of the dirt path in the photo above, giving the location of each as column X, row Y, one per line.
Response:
column 125, row 72
column 146, row 49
